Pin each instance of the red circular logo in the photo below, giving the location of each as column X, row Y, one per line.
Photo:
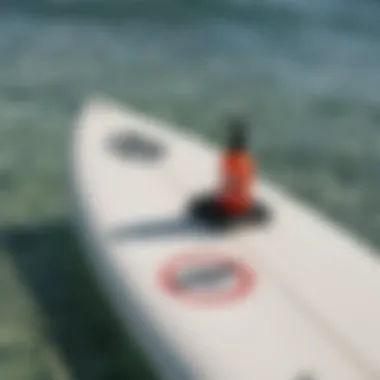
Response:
column 207, row 279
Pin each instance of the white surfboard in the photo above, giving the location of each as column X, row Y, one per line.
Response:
column 297, row 299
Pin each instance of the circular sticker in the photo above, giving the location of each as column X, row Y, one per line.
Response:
column 207, row 278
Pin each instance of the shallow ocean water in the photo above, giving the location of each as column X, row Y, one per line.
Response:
column 306, row 73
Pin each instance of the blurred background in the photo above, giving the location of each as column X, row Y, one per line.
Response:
column 306, row 72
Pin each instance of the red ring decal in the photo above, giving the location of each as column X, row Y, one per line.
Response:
column 245, row 278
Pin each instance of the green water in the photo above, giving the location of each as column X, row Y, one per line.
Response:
column 25, row 351
column 306, row 75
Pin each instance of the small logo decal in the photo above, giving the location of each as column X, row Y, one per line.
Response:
column 207, row 278
column 135, row 145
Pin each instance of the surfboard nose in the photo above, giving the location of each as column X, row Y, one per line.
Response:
column 314, row 306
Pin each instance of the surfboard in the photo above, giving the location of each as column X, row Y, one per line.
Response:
column 295, row 299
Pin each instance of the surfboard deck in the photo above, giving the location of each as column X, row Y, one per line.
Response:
column 296, row 299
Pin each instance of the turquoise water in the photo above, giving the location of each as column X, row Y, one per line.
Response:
column 307, row 73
